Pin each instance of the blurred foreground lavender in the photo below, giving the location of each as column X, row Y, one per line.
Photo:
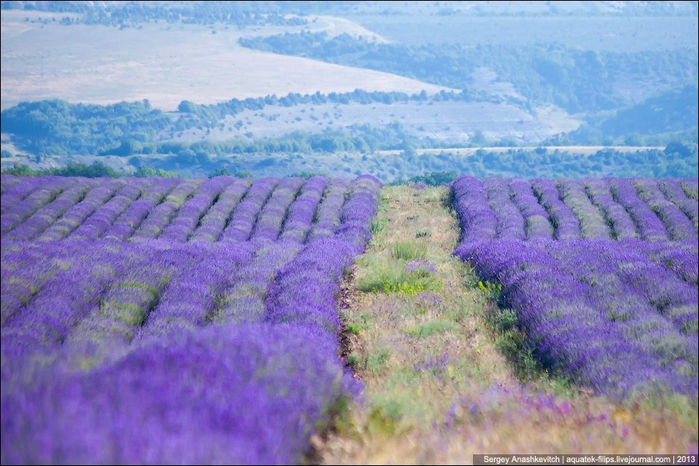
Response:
column 602, row 274
column 174, row 321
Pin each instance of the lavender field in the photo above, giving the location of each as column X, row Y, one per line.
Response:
column 148, row 320
column 602, row 274
column 174, row 321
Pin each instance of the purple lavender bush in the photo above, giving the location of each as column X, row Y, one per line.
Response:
column 677, row 223
column 536, row 219
column 618, row 219
column 300, row 215
column 581, row 331
column 216, row 218
column 241, row 394
column 147, row 216
column 104, row 216
column 214, row 343
column 244, row 217
column 326, row 218
column 651, row 228
column 477, row 220
column 77, row 214
column 43, row 192
column 592, row 222
column 191, row 212
column 511, row 223
column 619, row 316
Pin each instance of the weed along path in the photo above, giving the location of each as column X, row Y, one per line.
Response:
column 444, row 370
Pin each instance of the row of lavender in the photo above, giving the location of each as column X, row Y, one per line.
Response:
column 619, row 315
column 160, row 351
column 218, row 209
column 609, row 208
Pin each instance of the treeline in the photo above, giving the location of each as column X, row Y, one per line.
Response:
column 677, row 160
column 576, row 80
column 430, row 179
column 96, row 170
column 55, row 127
column 125, row 14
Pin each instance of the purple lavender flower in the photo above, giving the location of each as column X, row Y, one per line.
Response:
column 592, row 222
column 672, row 189
column 47, row 215
column 566, row 225
column 271, row 217
column 647, row 223
column 216, row 218
column 250, row 393
column 72, row 218
column 47, row 190
column 327, row 216
column 478, row 221
column 191, row 212
column 567, row 324
column 511, row 223
column 676, row 222
column 297, row 223
column 147, row 216
column 620, row 316
column 105, row 215
column 619, row 220
column 537, row 223
column 421, row 267
column 9, row 181
column 243, row 218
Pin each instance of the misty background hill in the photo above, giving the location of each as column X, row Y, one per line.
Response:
column 289, row 87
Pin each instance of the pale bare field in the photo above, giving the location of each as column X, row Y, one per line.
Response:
column 167, row 64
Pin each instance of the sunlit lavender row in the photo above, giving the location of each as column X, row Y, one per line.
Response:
column 163, row 350
column 218, row 209
column 602, row 208
column 602, row 274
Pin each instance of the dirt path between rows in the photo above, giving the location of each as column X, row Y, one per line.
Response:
column 438, row 387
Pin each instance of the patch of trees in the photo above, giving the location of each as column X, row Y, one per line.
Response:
column 96, row 170
column 576, row 80
column 56, row 127
column 125, row 14
column 363, row 139
column 677, row 160
column 432, row 178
